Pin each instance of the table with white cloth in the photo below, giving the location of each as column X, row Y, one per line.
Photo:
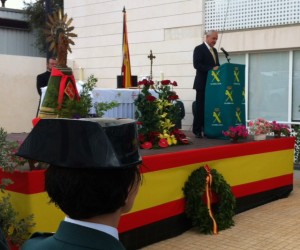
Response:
column 125, row 98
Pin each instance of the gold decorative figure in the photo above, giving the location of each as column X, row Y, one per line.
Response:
column 59, row 35
column 61, row 91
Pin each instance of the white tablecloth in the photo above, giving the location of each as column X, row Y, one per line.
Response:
column 125, row 97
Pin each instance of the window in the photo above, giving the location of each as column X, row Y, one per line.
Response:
column 296, row 87
column 268, row 86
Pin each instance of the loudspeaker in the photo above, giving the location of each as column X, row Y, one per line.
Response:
column 120, row 81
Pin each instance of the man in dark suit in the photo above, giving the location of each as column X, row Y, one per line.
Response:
column 205, row 58
column 93, row 178
column 42, row 79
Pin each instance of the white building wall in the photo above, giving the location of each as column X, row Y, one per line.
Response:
column 18, row 95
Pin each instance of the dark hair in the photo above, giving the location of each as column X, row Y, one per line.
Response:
column 85, row 193
column 51, row 57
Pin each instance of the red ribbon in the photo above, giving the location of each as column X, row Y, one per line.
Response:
column 62, row 85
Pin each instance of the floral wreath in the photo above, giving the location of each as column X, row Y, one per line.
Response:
column 209, row 213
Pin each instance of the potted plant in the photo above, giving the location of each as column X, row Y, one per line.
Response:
column 280, row 129
column 16, row 230
column 260, row 128
column 236, row 133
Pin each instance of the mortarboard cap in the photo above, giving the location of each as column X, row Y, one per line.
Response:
column 83, row 143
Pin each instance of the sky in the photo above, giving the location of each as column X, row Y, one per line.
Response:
column 16, row 4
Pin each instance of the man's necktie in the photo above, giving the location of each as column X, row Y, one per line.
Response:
column 213, row 54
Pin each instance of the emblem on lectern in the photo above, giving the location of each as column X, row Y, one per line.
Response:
column 236, row 73
column 228, row 94
column 238, row 116
column 215, row 77
column 243, row 96
column 217, row 117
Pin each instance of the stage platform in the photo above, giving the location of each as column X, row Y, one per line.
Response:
column 257, row 171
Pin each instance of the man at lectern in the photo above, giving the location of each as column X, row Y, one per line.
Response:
column 205, row 58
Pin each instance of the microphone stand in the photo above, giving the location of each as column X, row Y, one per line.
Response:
column 228, row 58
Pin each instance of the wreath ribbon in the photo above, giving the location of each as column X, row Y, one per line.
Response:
column 209, row 180
column 62, row 85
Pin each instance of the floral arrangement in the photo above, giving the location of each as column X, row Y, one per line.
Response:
column 260, row 126
column 279, row 129
column 236, row 133
column 156, row 116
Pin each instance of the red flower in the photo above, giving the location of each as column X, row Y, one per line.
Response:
column 35, row 121
column 183, row 140
column 174, row 83
column 150, row 98
column 139, row 123
column 146, row 82
column 143, row 82
column 146, row 145
column 165, row 82
column 141, row 138
column 163, row 143
column 173, row 97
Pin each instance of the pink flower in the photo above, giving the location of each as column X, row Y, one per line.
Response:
column 259, row 126
column 237, row 132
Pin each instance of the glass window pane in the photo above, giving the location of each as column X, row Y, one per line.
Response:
column 235, row 58
column 268, row 86
column 296, row 87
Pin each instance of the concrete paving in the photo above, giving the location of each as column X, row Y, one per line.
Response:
column 273, row 226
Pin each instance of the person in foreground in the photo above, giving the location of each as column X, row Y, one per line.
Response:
column 205, row 58
column 93, row 178
column 3, row 242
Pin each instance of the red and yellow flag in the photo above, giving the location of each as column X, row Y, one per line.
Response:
column 126, row 69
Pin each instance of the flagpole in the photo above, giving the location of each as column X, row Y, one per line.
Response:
column 124, row 13
column 126, row 68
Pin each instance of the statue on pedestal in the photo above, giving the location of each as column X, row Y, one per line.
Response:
column 61, row 90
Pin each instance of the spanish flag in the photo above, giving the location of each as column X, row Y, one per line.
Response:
column 126, row 70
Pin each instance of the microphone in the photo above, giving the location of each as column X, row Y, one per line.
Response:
column 225, row 52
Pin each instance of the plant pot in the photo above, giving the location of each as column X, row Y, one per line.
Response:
column 277, row 134
column 234, row 140
column 260, row 137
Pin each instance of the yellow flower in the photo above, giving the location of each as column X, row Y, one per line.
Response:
column 164, row 115
column 171, row 140
column 167, row 124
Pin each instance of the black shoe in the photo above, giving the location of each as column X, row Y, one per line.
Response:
column 198, row 136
